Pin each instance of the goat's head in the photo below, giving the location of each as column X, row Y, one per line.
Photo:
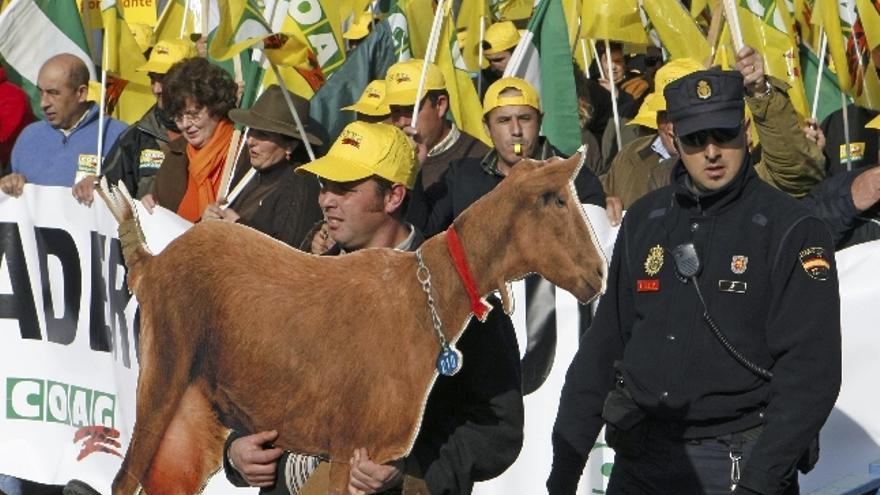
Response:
column 547, row 230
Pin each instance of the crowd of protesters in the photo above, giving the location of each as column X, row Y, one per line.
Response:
column 387, row 183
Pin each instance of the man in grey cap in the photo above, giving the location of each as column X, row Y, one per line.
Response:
column 714, row 358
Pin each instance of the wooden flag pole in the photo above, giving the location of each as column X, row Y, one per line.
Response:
column 229, row 165
column 598, row 59
column 715, row 30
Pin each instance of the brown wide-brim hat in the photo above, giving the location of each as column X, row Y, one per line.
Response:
column 270, row 113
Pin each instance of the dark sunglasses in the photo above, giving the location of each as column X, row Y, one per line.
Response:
column 699, row 139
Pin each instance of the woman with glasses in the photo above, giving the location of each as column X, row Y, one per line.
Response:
column 198, row 96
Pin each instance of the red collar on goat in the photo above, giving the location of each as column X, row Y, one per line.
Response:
column 478, row 306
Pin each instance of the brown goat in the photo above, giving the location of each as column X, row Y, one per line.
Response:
column 336, row 353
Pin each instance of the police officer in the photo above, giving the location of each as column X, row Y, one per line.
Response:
column 714, row 359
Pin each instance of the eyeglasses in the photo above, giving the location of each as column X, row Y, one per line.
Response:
column 192, row 115
column 699, row 139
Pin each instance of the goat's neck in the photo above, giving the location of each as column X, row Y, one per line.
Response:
column 453, row 303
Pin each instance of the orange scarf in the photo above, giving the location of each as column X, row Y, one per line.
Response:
column 205, row 171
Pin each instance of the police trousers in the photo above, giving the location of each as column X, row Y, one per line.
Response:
column 667, row 464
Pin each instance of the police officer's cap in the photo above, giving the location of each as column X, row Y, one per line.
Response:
column 709, row 99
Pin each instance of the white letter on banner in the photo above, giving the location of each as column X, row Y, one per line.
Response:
column 19, row 403
column 56, row 403
column 325, row 45
column 306, row 12
column 103, row 414
column 79, row 407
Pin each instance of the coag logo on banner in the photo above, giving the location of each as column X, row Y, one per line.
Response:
column 35, row 399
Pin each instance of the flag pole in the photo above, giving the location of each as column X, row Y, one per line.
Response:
column 823, row 48
column 733, row 20
column 430, row 53
column 584, row 54
column 598, row 59
column 296, row 118
column 613, row 92
column 715, row 30
column 104, row 61
column 185, row 16
column 844, row 104
column 480, row 55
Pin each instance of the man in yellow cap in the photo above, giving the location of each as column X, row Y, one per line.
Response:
column 439, row 141
column 371, row 106
column 142, row 147
column 512, row 118
column 472, row 427
column 498, row 43
column 358, row 30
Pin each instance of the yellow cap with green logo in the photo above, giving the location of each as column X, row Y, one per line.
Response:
column 656, row 102
column 365, row 149
column 499, row 37
column 527, row 94
column 167, row 53
column 360, row 28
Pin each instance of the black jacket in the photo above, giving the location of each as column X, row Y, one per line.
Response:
column 472, row 429
column 831, row 200
column 139, row 151
column 770, row 282
column 469, row 179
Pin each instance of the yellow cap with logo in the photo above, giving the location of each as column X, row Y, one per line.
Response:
column 656, row 102
column 499, row 37
column 527, row 94
column 402, row 82
column 363, row 150
column 371, row 101
column 360, row 28
column 167, row 53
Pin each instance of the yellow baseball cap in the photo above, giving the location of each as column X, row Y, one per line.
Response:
column 493, row 99
column 371, row 100
column 360, row 28
column 647, row 115
column 143, row 35
column 499, row 37
column 363, row 150
column 656, row 102
column 167, row 53
column 402, row 82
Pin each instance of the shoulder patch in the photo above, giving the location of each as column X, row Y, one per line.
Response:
column 151, row 159
column 815, row 263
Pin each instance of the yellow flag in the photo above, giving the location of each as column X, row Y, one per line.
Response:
column 616, row 20
column 512, row 10
column 294, row 81
column 870, row 18
column 419, row 16
column 572, row 11
column 122, row 56
column 677, row 30
column 317, row 25
column 826, row 14
column 175, row 22
column 698, row 6
column 463, row 99
column 767, row 27
column 471, row 15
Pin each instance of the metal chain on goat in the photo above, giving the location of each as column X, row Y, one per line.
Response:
column 450, row 360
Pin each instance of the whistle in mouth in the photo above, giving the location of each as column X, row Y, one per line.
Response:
column 517, row 149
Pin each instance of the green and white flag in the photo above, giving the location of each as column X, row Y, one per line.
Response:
column 543, row 58
column 36, row 30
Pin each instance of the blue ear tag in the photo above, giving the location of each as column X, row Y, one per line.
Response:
column 449, row 360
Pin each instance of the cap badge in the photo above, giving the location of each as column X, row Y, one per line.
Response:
column 161, row 50
column 704, row 90
column 373, row 94
column 654, row 262
column 351, row 139
column 401, row 78
column 739, row 263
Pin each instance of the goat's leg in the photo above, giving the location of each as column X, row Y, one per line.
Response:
column 191, row 450
column 164, row 376
column 338, row 478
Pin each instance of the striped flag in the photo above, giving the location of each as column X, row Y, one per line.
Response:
column 316, row 24
column 849, row 51
column 543, row 58
column 34, row 31
column 410, row 22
